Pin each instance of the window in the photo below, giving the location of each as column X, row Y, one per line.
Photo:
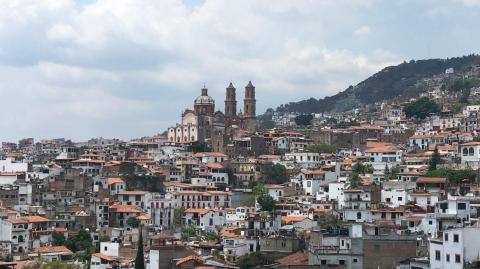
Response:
column 455, row 238
column 437, row 255
column 341, row 262
column 457, row 258
column 359, row 215
column 471, row 152
column 400, row 198
column 355, row 260
column 323, row 262
column 462, row 206
column 448, row 257
column 446, row 237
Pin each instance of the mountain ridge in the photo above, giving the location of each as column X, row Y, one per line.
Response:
column 389, row 83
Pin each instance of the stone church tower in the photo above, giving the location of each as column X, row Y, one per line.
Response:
column 230, row 103
column 250, row 107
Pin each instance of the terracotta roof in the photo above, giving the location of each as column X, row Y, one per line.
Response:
column 215, row 165
column 143, row 217
column 17, row 221
column 313, row 172
column 289, row 219
column 114, row 180
column 473, row 143
column 432, row 180
column 189, row 258
column 52, row 249
column 200, row 211
column 103, row 256
column 126, row 208
column 298, row 258
column 34, row 219
column 382, row 148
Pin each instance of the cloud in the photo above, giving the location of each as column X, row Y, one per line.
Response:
column 470, row 3
column 363, row 30
column 127, row 68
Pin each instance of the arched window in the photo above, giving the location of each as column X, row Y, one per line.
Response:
column 20, row 239
column 359, row 215
column 465, row 151
column 471, row 151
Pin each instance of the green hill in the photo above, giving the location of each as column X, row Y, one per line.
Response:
column 391, row 82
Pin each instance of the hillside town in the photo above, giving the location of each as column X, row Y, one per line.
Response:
column 382, row 186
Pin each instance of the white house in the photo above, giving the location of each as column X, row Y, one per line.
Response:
column 457, row 248
column 204, row 219
column 470, row 154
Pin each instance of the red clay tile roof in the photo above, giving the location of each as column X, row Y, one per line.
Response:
column 113, row 180
column 52, row 249
column 33, row 219
column 432, row 180
column 189, row 258
column 298, row 258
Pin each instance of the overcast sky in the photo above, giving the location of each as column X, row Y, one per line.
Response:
column 128, row 68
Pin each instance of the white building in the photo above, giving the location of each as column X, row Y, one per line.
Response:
column 457, row 248
column 204, row 219
column 470, row 154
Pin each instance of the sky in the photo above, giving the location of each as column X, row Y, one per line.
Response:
column 128, row 68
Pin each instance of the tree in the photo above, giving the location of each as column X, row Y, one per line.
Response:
column 435, row 160
column 259, row 189
column 133, row 222
column 386, row 172
column 266, row 202
column 354, row 180
column 81, row 244
column 421, row 108
column 321, row 148
column 362, row 169
column 304, row 119
column 177, row 215
column 153, row 183
column 274, row 173
column 455, row 176
column 140, row 259
column 254, row 260
column 211, row 236
column 199, row 147
column 58, row 239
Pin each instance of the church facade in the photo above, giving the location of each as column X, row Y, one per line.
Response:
column 203, row 122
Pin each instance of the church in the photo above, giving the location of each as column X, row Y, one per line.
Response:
column 201, row 123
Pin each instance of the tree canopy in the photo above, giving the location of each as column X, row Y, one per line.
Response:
column 266, row 202
column 321, row 148
column 274, row 173
column 254, row 260
column 421, row 108
column 304, row 119
column 435, row 160
column 455, row 176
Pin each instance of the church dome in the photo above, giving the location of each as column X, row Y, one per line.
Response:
column 204, row 99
